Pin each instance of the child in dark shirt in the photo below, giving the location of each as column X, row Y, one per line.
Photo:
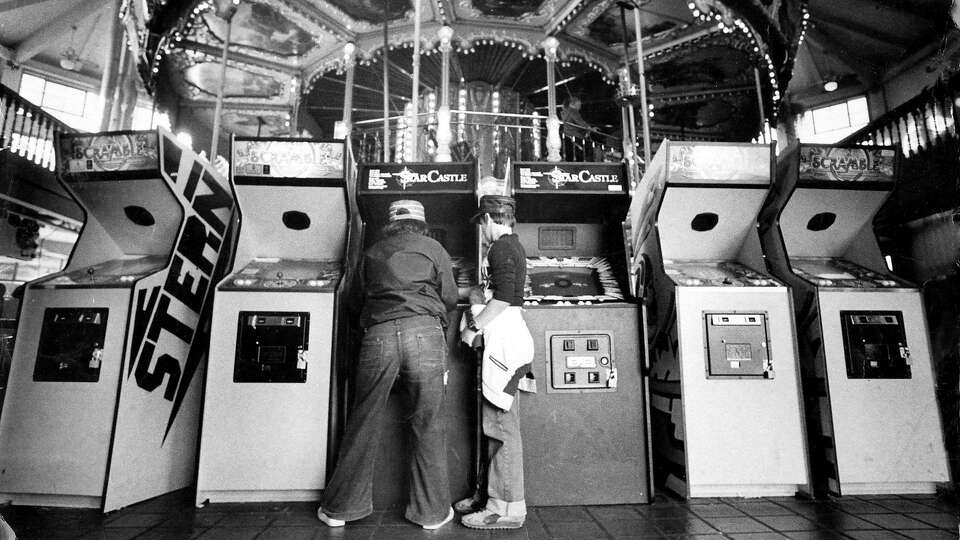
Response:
column 507, row 355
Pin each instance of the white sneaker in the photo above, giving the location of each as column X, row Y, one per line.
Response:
column 446, row 520
column 329, row 521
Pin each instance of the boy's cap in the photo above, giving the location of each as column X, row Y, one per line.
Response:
column 406, row 209
column 495, row 204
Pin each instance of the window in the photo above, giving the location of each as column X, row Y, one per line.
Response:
column 831, row 123
column 78, row 108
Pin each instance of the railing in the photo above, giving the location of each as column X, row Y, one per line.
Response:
column 917, row 124
column 27, row 130
column 485, row 136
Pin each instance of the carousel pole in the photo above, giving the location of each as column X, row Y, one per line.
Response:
column 386, row 86
column 550, row 46
column 411, row 147
column 645, row 112
column 218, row 108
column 763, row 120
column 444, row 134
column 348, row 60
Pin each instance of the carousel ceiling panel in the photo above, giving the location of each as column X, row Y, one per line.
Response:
column 530, row 12
column 711, row 66
column 372, row 11
column 238, row 83
column 262, row 28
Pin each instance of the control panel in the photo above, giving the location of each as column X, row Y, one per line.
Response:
column 272, row 347
column 736, row 345
column 875, row 345
column 581, row 362
column 71, row 345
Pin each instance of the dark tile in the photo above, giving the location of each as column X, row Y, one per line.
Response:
column 667, row 511
column 288, row 533
column 788, row 523
column 207, row 519
column 686, row 526
column 562, row 513
column 637, row 526
column 574, row 529
column 928, row 534
column 904, row 506
column 874, row 535
column 841, row 521
column 761, row 508
column 896, row 521
column 742, row 524
column 815, row 535
column 245, row 520
column 938, row 519
column 716, row 510
column 534, row 527
column 349, row 532
column 161, row 533
column 231, row 533
column 123, row 533
column 757, row 536
column 858, row 507
column 126, row 519
column 296, row 519
column 807, row 508
column 624, row 511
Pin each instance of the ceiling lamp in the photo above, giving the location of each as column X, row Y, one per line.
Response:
column 69, row 59
column 830, row 84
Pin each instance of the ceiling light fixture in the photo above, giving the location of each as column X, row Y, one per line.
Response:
column 830, row 84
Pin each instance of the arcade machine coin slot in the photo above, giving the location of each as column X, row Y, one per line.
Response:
column 71, row 345
column 274, row 337
column 126, row 317
column 863, row 341
column 271, row 347
column 718, row 323
column 586, row 345
column 875, row 345
column 448, row 192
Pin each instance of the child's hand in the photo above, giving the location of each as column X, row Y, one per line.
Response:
column 476, row 296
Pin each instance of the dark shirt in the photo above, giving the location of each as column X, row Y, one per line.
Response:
column 407, row 274
column 508, row 269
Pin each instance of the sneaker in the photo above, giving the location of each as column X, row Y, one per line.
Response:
column 446, row 520
column 468, row 505
column 485, row 519
column 329, row 521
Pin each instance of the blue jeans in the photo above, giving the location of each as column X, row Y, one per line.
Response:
column 505, row 450
column 413, row 349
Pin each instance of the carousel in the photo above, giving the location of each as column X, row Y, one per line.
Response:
column 457, row 80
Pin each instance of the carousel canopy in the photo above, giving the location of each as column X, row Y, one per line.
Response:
column 712, row 67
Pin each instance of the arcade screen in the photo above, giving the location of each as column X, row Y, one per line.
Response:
column 718, row 274
column 570, row 279
column 114, row 273
column 836, row 272
column 286, row 274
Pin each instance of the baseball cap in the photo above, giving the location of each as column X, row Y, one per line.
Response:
column 406, row 209
column 495, row 204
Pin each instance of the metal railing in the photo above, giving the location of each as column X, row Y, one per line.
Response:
column 483, row 136
column 27, row 130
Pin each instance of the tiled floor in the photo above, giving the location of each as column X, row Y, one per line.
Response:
column 174, row 516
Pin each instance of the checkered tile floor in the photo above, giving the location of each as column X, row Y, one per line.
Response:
column 173, row 516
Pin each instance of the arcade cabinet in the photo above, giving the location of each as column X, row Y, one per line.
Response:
column 584, row 434
column 267, row 405
column 448, row 194
column 868, row 388
column 104, row 401
column 724, row 377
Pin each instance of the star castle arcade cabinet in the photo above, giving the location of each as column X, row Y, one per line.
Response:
column 724, row 376
column 104, row 401
column 584, row 436
column 868, row 387
column 267, row 399
column 448, row 194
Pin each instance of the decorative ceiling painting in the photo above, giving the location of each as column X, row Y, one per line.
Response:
column 703, row 58
column 260, row 27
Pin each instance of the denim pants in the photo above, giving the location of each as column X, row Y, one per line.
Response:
column 413, row 349
column 505, row 450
